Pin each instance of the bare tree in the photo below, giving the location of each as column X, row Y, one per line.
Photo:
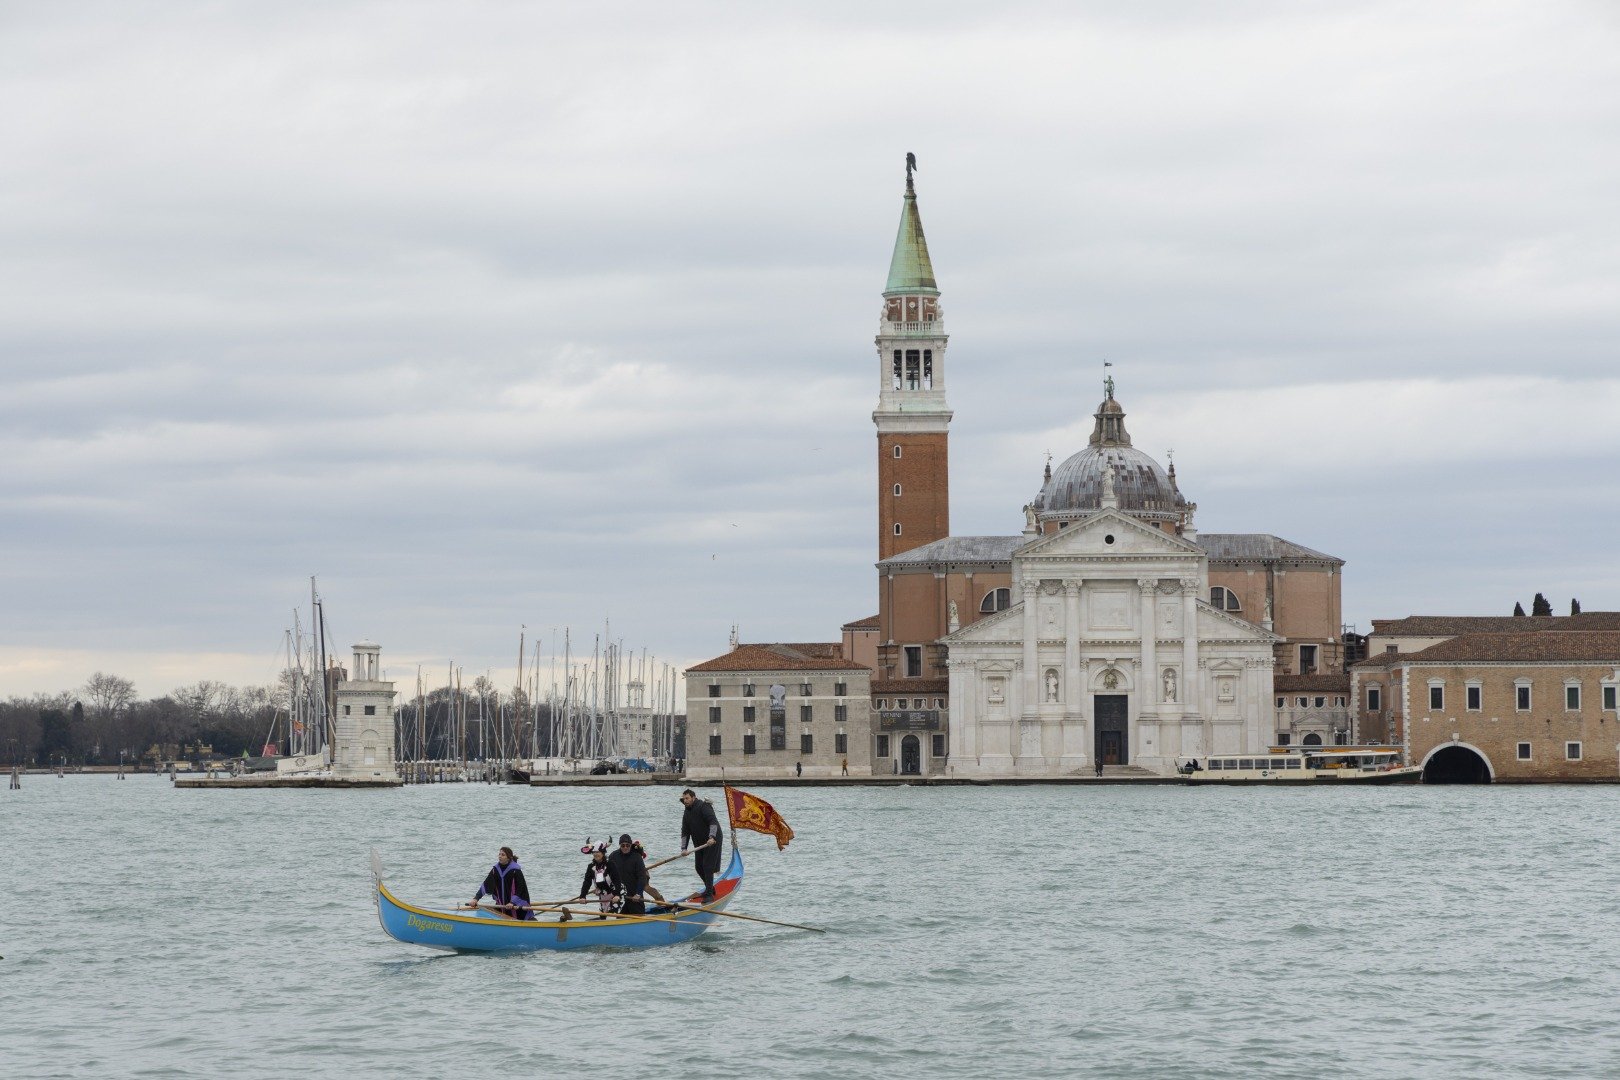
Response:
column 108, row 696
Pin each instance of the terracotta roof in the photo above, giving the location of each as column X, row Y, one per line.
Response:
column 911, row 686
column 1572, row 646
column 813, row 656
column 1248, row 547
column 1327, row 684
column 1438, row 625
column 1383, row 660
column 871, row 622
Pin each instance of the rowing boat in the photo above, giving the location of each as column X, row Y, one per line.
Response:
column 484, row 930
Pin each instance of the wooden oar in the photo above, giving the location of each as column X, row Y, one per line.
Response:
column 684, row 854
column 584, row 914
column 750, row 918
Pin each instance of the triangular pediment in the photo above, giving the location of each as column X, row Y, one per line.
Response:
column 1091, row 536
column 1215, row 624
column 1004, row 627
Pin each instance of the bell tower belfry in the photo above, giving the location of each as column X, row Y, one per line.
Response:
column 913, row 421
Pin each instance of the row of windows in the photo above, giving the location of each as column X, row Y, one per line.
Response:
column 1311, row 703
column 916, row 703
column 807, row 743
column 1572, row 751
column 840, row 689
column 913, row 370
column 807, row 714
column 371, row 710
column 1474, row 693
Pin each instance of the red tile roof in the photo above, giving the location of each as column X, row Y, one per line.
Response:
column 871, row 622
column 801, row 656
column 1327, row 684
column 1438, row 625
column 1546, row 646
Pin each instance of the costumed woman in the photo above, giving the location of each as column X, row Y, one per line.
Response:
column 600, row 879
column 506, row 887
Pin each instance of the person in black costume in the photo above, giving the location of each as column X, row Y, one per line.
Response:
column 505, row 885
column 629, row 869
column 600, row 879
column 699, row 826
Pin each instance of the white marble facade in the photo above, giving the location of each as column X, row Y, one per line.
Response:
column 1108, row 617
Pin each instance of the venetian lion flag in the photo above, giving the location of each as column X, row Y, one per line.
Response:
column 755, row 814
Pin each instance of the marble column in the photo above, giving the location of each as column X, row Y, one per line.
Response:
column 1074, row 717
column 1149, row 707
column 1029, row 705
column 1192, row 680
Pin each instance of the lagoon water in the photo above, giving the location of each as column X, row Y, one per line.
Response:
column 974, row 932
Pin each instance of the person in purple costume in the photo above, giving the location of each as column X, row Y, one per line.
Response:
column 505, row 885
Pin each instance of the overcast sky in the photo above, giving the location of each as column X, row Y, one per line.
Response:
column 506, row 314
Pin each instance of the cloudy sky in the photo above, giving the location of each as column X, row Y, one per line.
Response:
column 495, row 315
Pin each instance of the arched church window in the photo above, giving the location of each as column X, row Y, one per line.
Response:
column 897, row 491
column 897, row 528
column 1223, row 599
column 1313, row 739
column 995, row 600
column 896, row 451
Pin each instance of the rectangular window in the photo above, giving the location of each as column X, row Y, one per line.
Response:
column 714, row 689
column 1392, row 648
column 939, row 746
column 805, row 690
column 1437, row 697
column 748, row 743
column 840, row 743
column 1321, row 701
column 1473, row 695
column 1524, row 751
column 897, row 373
column 371, row 710
column 913, row 661
column 1572, row 751
column 748, row 714
column 1521, row 697
column 1572, row 698
column 840, row 689
column 928, row 369
column 1608, row 698
column 1283, row 738
column 714, row 714
column 807, row 743
column 882, row 746
column 806, row 713
column 714, row 743
column 840, row 713
column 778, row 732
column 1375, row 698
column 1307, row 659
column 913, row 369
column 748, row 689
column 345, row 710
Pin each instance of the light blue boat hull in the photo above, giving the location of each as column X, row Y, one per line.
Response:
column 486, row 931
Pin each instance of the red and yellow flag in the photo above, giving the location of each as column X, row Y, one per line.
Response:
column 755, row 814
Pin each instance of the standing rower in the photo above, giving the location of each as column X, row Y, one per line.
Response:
column 700, row 827
column 505, row 885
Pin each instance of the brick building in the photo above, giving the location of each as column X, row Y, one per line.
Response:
column 761, row 709
column 1539, row 705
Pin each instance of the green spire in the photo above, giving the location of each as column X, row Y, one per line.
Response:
column 910, row 270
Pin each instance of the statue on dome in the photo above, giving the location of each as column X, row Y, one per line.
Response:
column 911, row 166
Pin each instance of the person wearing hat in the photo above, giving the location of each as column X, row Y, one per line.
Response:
column 699, row 826
column 629, row 870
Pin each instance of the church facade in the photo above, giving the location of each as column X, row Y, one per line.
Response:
column 1108, row 631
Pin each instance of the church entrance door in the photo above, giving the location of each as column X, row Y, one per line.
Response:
column 1111, row 712
column 910, row 755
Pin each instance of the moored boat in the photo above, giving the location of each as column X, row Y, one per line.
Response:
column 1306, row 765
column 483, row 930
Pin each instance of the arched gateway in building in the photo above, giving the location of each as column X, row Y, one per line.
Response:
column 1457, row 763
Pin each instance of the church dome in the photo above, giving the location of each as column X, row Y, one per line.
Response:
column 1141, row 487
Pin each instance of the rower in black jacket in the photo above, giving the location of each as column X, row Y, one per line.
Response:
column 505, row 885
column 699, row 826
column 629, row 869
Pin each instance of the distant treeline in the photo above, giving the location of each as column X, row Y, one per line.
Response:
column 92, row 724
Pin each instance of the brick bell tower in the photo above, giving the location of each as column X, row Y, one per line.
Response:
column 912, row 418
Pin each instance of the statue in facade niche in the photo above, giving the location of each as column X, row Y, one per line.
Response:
column 1170, row 684
column 953, row 620
column 1051, row 685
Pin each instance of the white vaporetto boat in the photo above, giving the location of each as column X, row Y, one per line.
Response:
column 1306, row 765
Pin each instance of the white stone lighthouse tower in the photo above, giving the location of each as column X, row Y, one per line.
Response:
column 365, row 720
